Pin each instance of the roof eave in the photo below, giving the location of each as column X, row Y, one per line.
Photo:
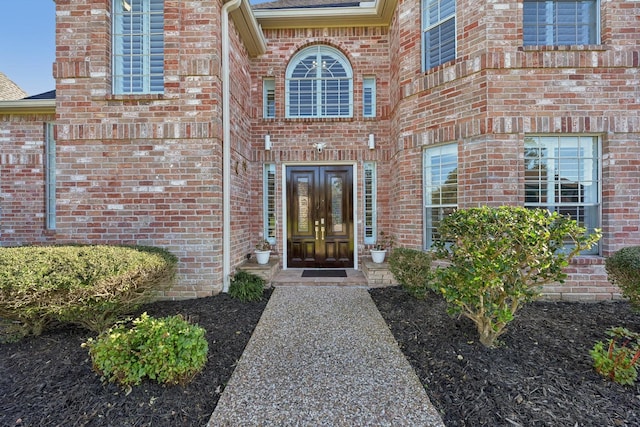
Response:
column 369, row 14
column 28, row 106
column 249, row 29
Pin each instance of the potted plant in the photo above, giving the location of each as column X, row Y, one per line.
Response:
column 379, row 250
column 263, row 251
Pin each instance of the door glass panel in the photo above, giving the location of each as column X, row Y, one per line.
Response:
column 303, row 204
column 337, row 217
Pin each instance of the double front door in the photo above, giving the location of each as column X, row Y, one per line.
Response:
column 320, row 216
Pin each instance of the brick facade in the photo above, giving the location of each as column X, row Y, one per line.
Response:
column 148, row 170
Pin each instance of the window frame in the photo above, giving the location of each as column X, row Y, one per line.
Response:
column 143, row 76
column 369, row 106
column 551, row 24
column 318, row 93
column 268, row 98
column 269, row 208
column 561, row 187
column 50, row 175
column 369, row 203
column 437, row 24
column 430, row 152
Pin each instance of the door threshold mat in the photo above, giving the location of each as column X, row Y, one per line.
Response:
column 324, row 273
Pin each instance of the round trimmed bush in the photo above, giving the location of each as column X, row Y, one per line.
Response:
column 623, row 270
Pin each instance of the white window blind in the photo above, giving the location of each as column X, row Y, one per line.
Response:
column 439, row 32
column 138, row 46
column 560, row 22
column 319, row 84
column 440, row 188
column 369, row 96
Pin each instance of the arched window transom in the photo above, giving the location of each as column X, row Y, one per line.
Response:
column 319, row 84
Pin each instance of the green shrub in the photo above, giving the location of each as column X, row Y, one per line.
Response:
column 623, row 270
column 499, row 258
column 91, row 286
column 618, row 362
column 168, row 350
column 246, row 286
column 412, row 269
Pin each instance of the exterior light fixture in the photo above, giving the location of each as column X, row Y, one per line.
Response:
column 319, row 146
column 267, row 142
column 372, row 142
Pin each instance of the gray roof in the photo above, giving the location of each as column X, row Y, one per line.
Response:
column 9, row 91
column 305, row 4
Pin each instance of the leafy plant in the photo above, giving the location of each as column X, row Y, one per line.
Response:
column 412, row 269
column 89, row 285
column 168, row 350
column 623, row 270
column 246, row 286
column 618, row 362
column 384, row 241
column 499, row 258
column 263, row 245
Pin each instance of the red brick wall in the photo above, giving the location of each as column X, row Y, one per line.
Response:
column 496, row 92
column 367, row 50
column 143, row 169
column 22, row 179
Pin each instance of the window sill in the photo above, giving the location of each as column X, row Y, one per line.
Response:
column 135, row 97
column 563, row 48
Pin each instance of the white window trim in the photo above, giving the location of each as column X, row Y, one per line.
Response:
column 50, row 176
column 439, row 150
column 118, row 76
column 373, row 202
column 596, row 249
column 425, row 29
column 269, row 198
column 369, row 83
column 268, row 91
column 550, row 4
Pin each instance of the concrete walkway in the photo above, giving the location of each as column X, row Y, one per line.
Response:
column 323, row 357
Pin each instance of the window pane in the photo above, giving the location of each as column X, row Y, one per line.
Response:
column 370, row 203
column 562, row 175
column 560, row 22
column 440, row 187
column 319, row 84
column 138, row 46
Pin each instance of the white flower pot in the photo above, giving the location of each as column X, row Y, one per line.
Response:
column 262, row 256
column 377, row 256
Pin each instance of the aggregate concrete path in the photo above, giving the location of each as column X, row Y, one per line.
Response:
column 323, row 357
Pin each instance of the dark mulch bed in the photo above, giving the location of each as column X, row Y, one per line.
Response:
column 542, row 375
column 48, row 381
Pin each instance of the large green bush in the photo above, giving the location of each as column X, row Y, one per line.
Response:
column 91, row 286
column 168, row 350
column 623, row 270
column 412, row 269
column 499, row 258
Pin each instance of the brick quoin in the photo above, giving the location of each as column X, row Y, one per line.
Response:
column 148, row 169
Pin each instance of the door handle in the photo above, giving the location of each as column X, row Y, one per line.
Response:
column 322, row 228
column 317, row 230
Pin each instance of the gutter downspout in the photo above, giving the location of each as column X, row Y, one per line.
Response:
column 226, row 146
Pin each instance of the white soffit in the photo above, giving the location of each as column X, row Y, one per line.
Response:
column 368, row 14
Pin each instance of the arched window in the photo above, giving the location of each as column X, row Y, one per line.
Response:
column 319, row 84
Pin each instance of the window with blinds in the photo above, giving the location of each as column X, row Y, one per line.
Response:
column 438, row 32
column 560, row 22
column 369, row 96
column 319, row 83
column 138, row 46
column 269, row 203
column 369, row 203
column 50, row 176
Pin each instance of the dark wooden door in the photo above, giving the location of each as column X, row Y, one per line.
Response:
column 320, row 216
